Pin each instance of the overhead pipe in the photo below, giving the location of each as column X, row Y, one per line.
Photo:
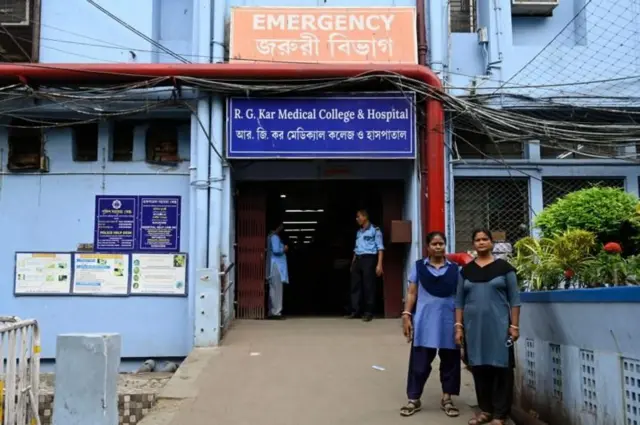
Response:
column 432, row 156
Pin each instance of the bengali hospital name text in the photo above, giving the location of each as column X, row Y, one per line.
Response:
column 309, row 44
column 301, row 134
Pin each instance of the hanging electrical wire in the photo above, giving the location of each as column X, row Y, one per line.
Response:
column 595, row 128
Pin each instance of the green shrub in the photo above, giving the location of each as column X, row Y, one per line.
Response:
column 600, row 210
column 543, row 264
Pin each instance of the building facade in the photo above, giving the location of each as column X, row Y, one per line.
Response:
column 74, row 210
column 570, row 61
column 162, row 163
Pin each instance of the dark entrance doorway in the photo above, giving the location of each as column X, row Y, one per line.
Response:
column 320, row 227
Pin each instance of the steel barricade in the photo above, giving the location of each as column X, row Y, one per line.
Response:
column 19, row 371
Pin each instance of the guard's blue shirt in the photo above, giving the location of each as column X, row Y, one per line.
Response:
column 369, row 240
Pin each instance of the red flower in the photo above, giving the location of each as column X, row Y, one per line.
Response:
column 613, row 248
column 569, row 273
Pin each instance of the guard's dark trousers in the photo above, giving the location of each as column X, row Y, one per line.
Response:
column 363, row 284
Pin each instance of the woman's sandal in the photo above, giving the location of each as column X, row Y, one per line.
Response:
column 480, row 419
column 449, row 408
column 412, row 406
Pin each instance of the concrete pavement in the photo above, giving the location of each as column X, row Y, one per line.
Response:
column 302, row 371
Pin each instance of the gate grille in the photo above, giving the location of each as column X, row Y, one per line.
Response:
column 494, row 203
column 251, row 236
column 555, row 188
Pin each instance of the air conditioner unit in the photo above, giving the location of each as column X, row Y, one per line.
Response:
column 533, row 7
column 15, row 12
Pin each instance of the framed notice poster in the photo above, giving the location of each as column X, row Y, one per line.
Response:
column 159, row 274
column 101, row 274
column 42, row 273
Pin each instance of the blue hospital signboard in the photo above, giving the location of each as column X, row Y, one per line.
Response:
column 159, row 223
column 137, row 223
column 115, row 223
column 372, row 125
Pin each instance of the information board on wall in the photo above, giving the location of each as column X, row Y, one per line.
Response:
column 42, row 273
column 159, row 223
column 101, row 274
column 159, row 274
column 137, row 223
column 115, row 223
column 357, row 125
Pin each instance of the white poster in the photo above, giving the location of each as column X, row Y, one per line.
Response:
column 101, row 274
column 159, row 274
column 43, row 273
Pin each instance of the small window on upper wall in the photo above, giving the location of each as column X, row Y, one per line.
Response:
column 162, row 143
column 122, row 141
column 85, row 142
column 26, row 147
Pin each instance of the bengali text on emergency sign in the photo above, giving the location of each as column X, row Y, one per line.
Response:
column 368, row 123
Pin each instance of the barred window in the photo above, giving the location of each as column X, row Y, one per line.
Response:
column 498, row 204
column 557, row 187
column 462, row 15
column 471, row 144
column 563, row 150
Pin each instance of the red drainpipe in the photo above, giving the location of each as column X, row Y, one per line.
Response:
column 431, row 154
column 432, row 145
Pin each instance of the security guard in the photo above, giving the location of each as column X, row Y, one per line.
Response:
column 365, row 266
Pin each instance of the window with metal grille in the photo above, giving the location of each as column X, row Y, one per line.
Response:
column 19, row 38
column 122, row 141
column 26, row 146
column 85, row 142
column 555, row 188
column 462, row 15
column 495, row 203
column 162, row 142
column 475, row 145
column 562, row 150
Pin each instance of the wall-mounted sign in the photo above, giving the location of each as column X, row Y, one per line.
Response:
column 101, row 274
column 137, row 223
column 159, row 223
column 115, row 223
column 45, row 273
column 380, row 125
column 159, row 274
column 324, row 35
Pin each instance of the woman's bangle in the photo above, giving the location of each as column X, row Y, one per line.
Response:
column 458, row 325
column 514, row 327
column 407, row 313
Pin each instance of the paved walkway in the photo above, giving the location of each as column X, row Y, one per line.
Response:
column 307, row 372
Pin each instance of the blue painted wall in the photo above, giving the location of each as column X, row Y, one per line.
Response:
column 578, row 356
column 54, row 212
column 74, row 31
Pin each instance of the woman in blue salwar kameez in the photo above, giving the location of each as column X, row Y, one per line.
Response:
column 428, row 322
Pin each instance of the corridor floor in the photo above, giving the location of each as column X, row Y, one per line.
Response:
column 313, row 371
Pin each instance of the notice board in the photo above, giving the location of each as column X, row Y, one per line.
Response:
column 137, row 223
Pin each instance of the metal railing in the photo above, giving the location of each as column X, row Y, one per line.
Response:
column 19, row 371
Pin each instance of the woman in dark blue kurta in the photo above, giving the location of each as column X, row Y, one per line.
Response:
column 428, row 324
column 487, row 318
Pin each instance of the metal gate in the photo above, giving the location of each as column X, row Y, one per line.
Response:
column 251, row 237
column 392, row 204
column 19, row 371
